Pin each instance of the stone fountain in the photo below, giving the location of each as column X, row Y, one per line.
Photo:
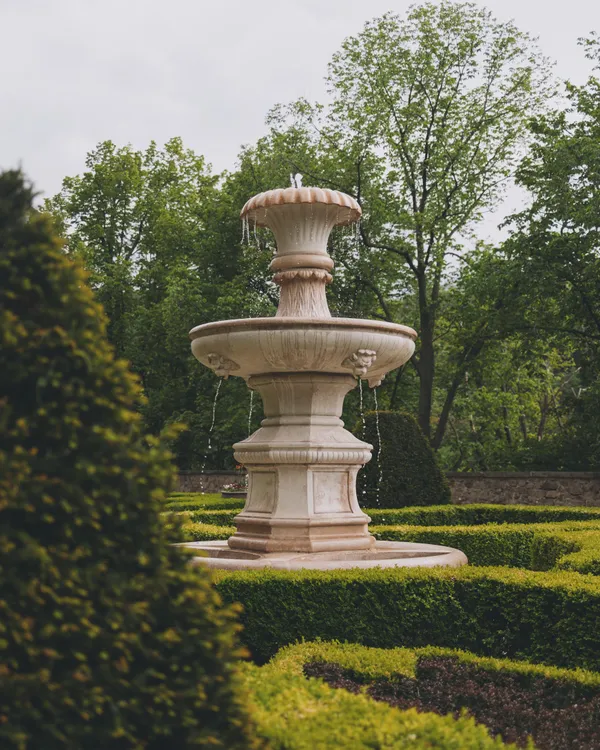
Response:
column 302, row 510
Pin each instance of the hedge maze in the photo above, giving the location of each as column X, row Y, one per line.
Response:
column 512, row 639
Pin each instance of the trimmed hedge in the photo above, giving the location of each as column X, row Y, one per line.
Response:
column 547, row 617
column 294, row 713
column 439, row 515
column 108, row 638
column 560, row 708
column 403, row 470
column 213, row 517
column 586, row 558
column 571, row 541
column 532, row 549
column 479, row 514
column 542, row 547
column 191, row 531
column 386, row 663
column 197, row 501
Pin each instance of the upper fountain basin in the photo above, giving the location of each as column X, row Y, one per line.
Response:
column 301, row 220
column 253, row 346
column 260, row 208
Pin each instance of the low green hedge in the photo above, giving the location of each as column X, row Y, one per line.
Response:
column 557, row 708
column 218, row 517
column 194, row 531
column 180, row 501
column 477, row 514
column 294, row 713
column 541, row 547
column 440, row 515
column 586, row 558
column 535, row 538
column 502, row 612
column 386, row 663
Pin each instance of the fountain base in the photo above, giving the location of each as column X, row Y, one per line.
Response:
column 219, row 554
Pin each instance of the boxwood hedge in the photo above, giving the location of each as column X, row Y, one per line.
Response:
column 294, row 713
column 560, row 708
column 108, row 639
column 540, row 538
column 386, row 663
column 546, row 617
column 404, row 469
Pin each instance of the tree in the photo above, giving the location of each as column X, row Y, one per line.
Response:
column 162, row 244
column 427, row 119
column 555, row 244
column 556, row 238
column 132, row 216
column 108, row 638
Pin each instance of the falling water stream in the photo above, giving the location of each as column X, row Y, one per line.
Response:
column 364, row 431
column 379, row 468
column 250, row 412
column 210, row 432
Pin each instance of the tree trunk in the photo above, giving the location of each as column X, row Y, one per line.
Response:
column 544, row 406
column 523, row 425
column 426, row 374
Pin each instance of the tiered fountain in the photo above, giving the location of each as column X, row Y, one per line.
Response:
column 302, row 510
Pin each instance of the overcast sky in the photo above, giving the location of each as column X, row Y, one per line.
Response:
column 76, row 72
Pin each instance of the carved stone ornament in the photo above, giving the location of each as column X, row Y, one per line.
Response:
column 222, row 366
column 302, row 274
column 360, row 362
column 374, row 382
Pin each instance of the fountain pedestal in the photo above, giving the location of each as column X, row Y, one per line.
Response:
column 302, row 466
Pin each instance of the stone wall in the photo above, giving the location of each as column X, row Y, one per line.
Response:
column 504, row 488
column 209, row 481
column 526, row 488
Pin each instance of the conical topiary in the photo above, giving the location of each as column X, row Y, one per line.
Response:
column 403, row 466
column 108, row 639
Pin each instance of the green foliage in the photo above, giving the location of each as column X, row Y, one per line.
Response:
column 586, row 557
column 556, row 708
column 403, row 470
column 161, row 243
column 546, row 617
column 196, row 531
column 178, row 501
column 377, row 663
column 554, row 242
column 537, row 548
column 107, row 638
column 426, row 118
column 475, row 514
column 294, row 713
column 522, row 536
column 544, row 547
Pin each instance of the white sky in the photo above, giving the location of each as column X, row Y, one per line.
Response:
column 76, row 72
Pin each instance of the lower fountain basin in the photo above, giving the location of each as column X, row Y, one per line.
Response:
column 218, row 554
column 256, row 346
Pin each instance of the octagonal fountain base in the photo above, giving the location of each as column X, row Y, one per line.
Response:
column 218, row 554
